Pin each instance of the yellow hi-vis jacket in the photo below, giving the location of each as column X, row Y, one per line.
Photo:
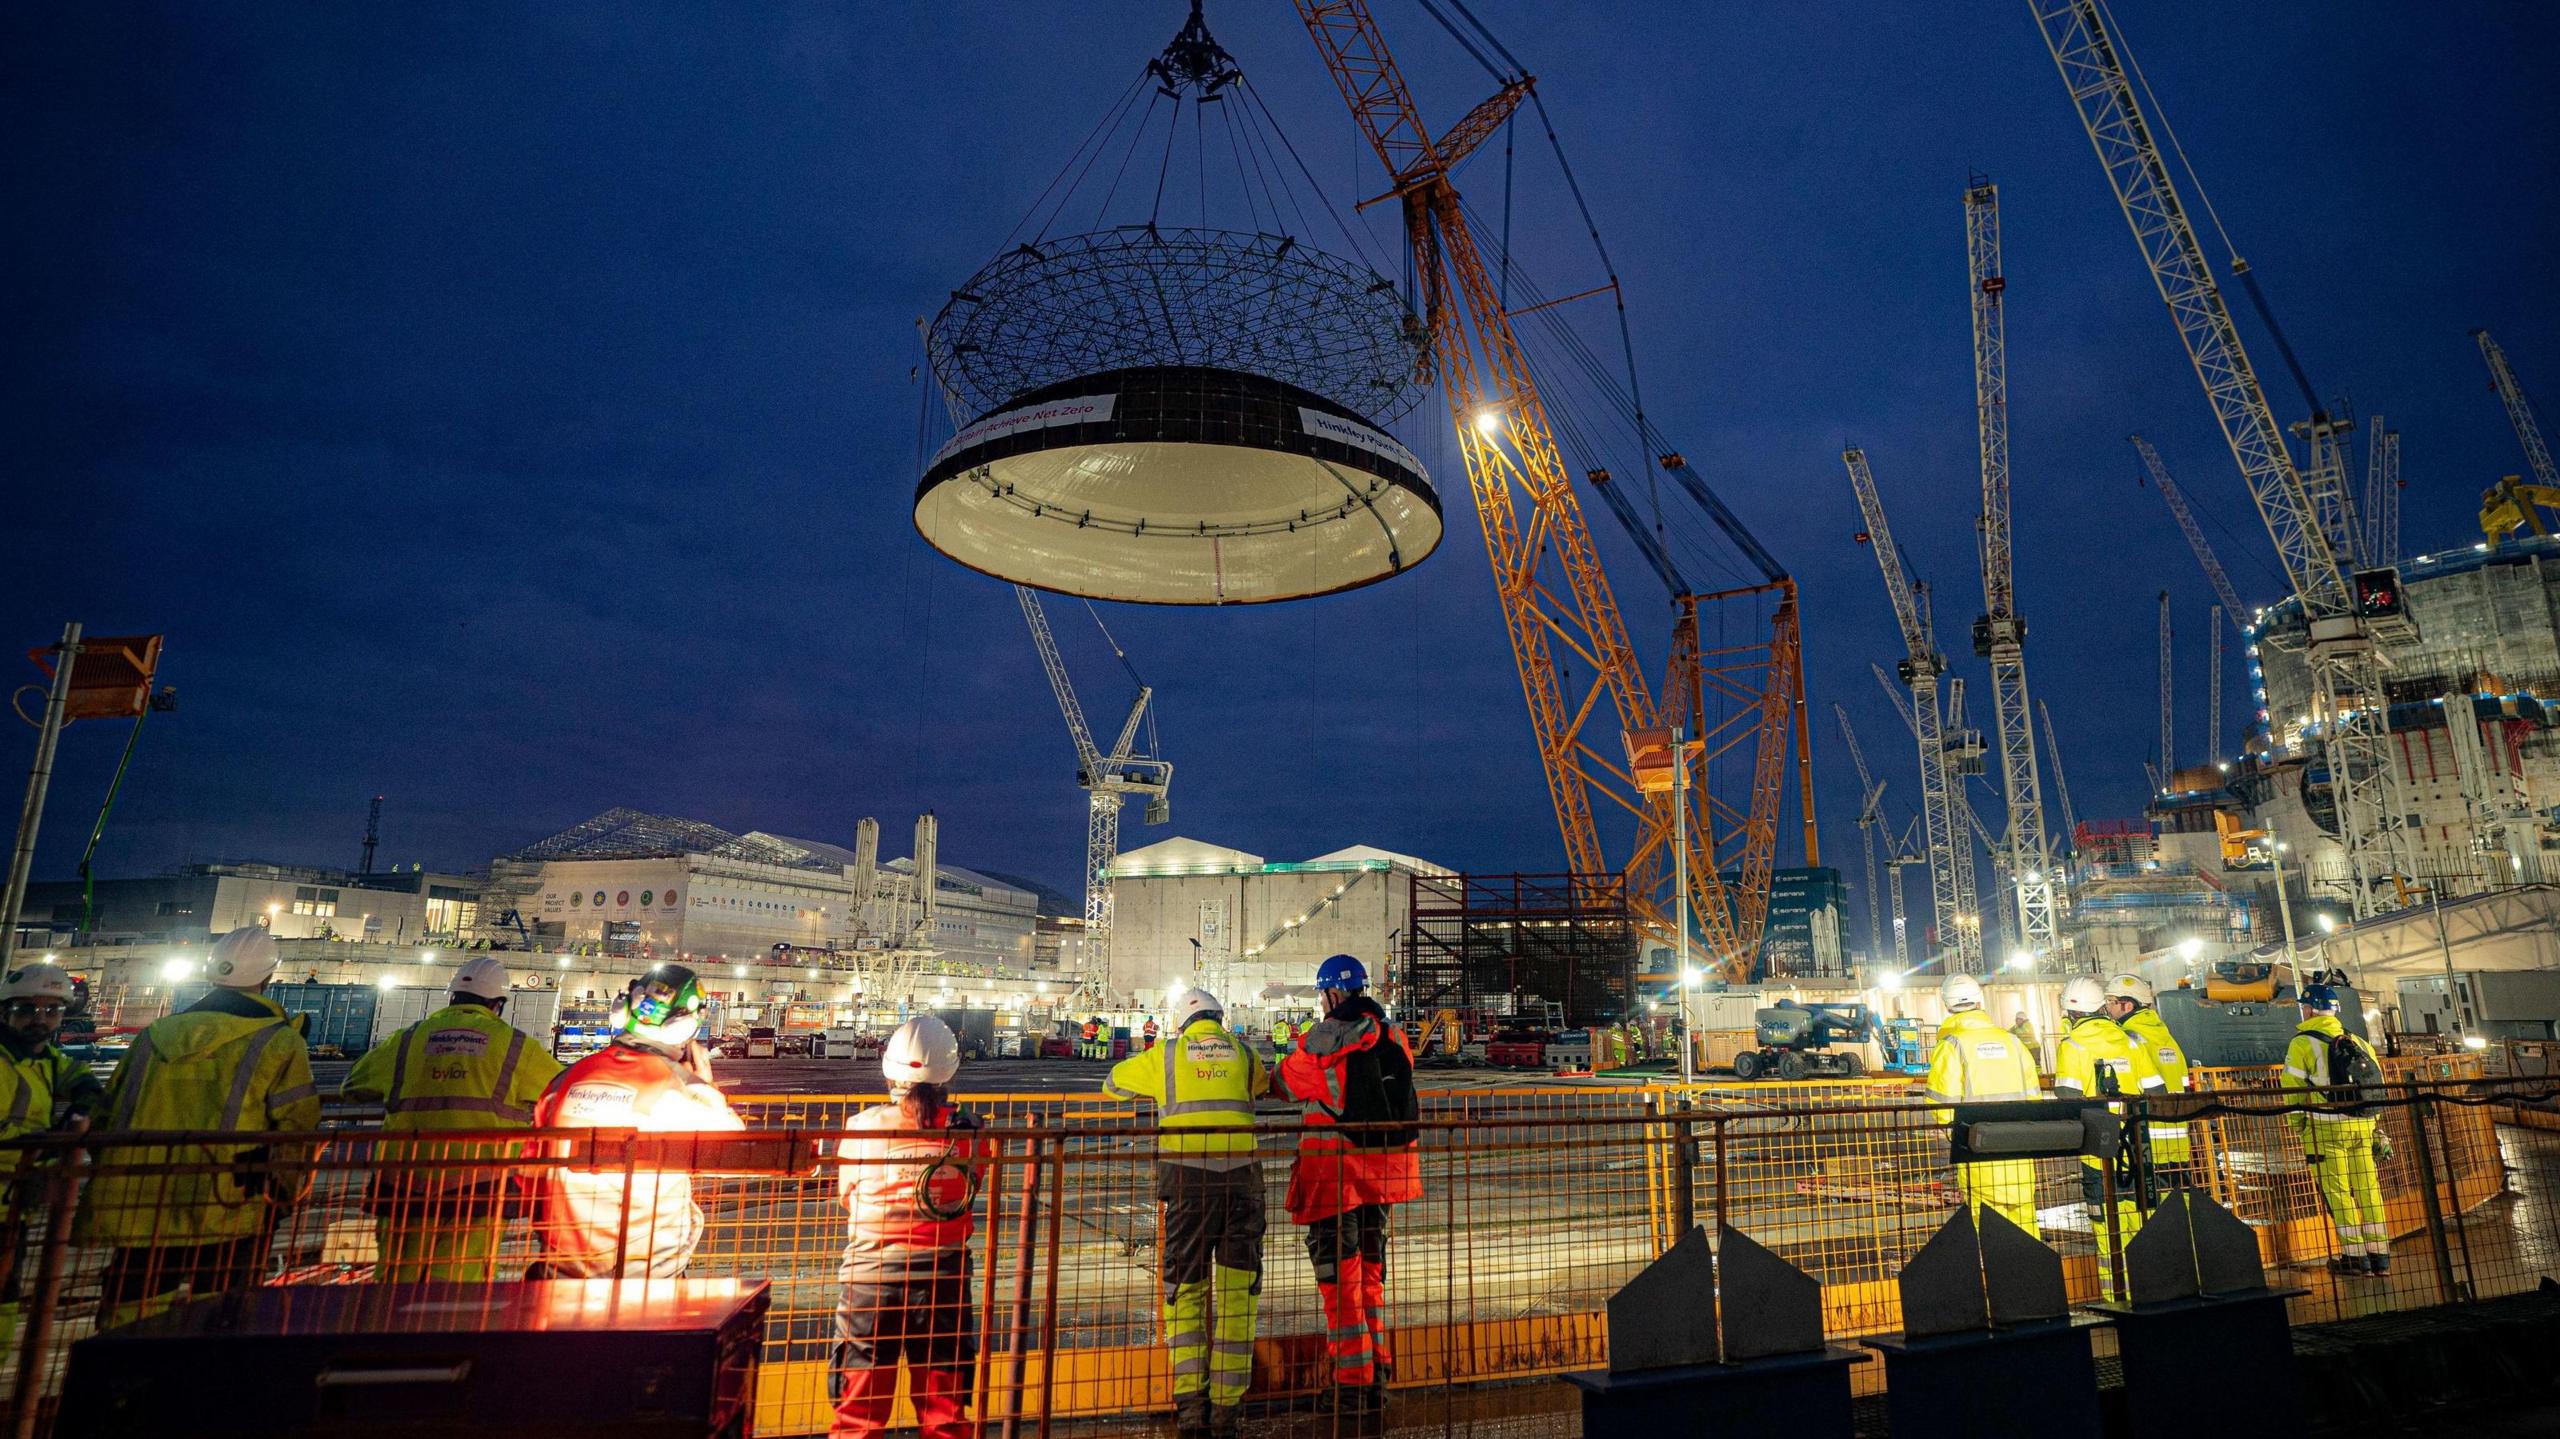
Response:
column 1978, row 1060
column 232, row 1063
column 462, row 1067
column 1203, row 1083
column 2096, row 1057
column 2306, row 1069
column 31, row 1088
column 2150, row 1033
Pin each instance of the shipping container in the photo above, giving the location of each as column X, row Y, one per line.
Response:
column 531, row 1010
column 2493, row 1004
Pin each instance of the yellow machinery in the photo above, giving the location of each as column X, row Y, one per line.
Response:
column 2511, row 505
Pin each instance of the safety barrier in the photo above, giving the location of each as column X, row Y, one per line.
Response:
column 1536, row 1204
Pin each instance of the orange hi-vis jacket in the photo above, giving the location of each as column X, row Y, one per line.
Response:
column 1338, row 1071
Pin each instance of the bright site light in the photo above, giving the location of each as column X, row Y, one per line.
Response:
column 1488, row 420
column 2473, row 1041
column 177, row 969
column 2190, row 947
column 388, row 981
column 2020, row 959
column 1692, row 975
column 1891, row 979
column 2328, row 922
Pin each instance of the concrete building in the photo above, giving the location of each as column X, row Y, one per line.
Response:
column 192, row 904
column 1253, row 930
column 646, row 886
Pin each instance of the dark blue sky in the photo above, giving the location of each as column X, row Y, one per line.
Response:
column 508, row 409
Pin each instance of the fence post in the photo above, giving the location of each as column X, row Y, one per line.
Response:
column 1049, row 1310
column 2436, row 1229
column 1723, row 1140
column 1018, row 1323
column 986, row 1365
column 1684, row 1158
column 61, row 1191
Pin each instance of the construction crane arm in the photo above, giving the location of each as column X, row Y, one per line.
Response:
column 2061, row 790
column 2186, row 518
column 2519, row 412
column 1916, row 642
column 2086, row 52
column 1087, row 756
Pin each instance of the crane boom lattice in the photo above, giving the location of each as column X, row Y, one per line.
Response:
column 2519, row 411
column 2346, row 666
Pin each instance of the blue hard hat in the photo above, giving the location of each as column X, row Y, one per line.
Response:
column 1342, row 972
column 2319, row 996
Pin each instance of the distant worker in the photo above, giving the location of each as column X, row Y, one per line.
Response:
column 1978, row 1062
column 2024, row 1028
column 461, row 1068
column 654, row 1076
column 1280, row 1035
column 1149, row 1033
column 1358, row 1155
column 1210, row 1186
column 2340, row 1132
column 230, row 1062
column 38, row 1082
column 2130, row 1002
column 907, row 1174
column 2095, row 1059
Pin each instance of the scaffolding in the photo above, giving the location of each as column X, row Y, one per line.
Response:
column 1518, row 944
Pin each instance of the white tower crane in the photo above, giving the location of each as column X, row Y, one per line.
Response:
column 2297, row 506
column 1108, row 780
column 1950, row 887
column 2186, row 518
column 2519, row 412
column 2001, row 634
column 1870, row 814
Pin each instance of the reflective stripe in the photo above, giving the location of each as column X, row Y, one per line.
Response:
column 1116, row 1092
column 1220, row 1163
column 2297, row 1071
column 507, row 1075
column 1187, row 1339
column 2067, row 1086
column 137, row 1062
column 1999, row 1098
column 1349, row 1331
column 399, row 1070
column 1232, row 1348
column 461, row 1104
column 240, row 1077
column 1170, row 1108
column 295, row 1095
column 19, row 1101
column 1199, row 1365
column 1209, row 1106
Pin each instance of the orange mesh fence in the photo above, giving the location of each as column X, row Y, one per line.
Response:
column 1071, row 1275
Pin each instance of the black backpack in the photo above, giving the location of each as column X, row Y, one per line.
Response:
column 1378, row 1090
column 2353, row 1072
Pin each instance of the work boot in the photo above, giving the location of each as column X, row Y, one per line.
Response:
column 2349, row 1264
column 2378, row 1262
column 1191, row 1417
column 1226, row 1420
column 1355, row 1412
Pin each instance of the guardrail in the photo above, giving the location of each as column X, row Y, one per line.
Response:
column 1537, row 1204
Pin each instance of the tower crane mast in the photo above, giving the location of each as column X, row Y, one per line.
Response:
column 1950, row 888
column 2519, row 411
column 2061, row 788
column 2296, row 505
column 2382, row 493
column 2001, row 634
column 2168, row 700
column 1108, row 779
column 2213, row 687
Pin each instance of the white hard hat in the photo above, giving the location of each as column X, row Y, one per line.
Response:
column 1186, row 1005
column 2130, row 986
column 923, row 1051
column 1961, row 991
column 37, row 981
column 243, row 959
column 482, row 977
column 2084, row 995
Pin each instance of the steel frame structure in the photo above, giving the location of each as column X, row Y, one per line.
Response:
column 2176, row 499
column 2382, row 493
column 2295, row 504
column 1547, row 572
column 1951, row 897
column 2000, row 636
column 2168, row 699
column 1870, row 816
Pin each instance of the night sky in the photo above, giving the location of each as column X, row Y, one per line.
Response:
column 509, row 409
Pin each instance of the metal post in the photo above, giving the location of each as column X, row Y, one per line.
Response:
column 1680, row 861
column 1722, row 1138
column 986, row 1366
column 1049, row 1312
column 2436, row 1228
column 1018, row 1325
column 2284, row 907
column 61, row 1191
column 2444, row 942
column 1684, row 1155
column 39, row 779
